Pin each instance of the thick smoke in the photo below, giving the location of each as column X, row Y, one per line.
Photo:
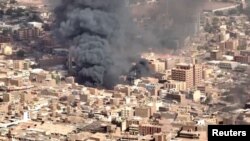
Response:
column 185, row 16
column 140, row 69
column 104, row 39
column 171, row 21
column 240, row 94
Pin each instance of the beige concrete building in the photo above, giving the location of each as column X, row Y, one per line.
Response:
column 143, row 111
column 184, row 72
column 232, row 44
column 196, row 96
column 123, row 89
column 25, row 97
column 18, row 64
column 207, row 73
column 177, row 85
column 6, row 49
column 197, row 74
column 216, row 55
column 158, row 65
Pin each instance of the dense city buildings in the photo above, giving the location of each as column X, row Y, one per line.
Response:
column 173, row 94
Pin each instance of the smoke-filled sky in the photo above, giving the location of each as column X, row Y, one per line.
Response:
column 104, row 39
column 169, row 20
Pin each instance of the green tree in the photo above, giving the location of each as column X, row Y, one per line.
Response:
column 219, row 13
column 58, row 79
column 215, row 21
column 242, row 48
column 20, row 53
column 233, row 12
column 209, row 99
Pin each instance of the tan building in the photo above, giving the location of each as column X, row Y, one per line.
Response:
column 27, row 33
column 148, row 129
column 196, row 96
column 228, row 65
column 176, row 96
column 143, row 111
column 133, row 129
column 5, row 39
column 160, row 137
column 18, row 64
column 158, row 65
column 97, row 137
column 197, row 74
column 15, row 82
column 123, row 89
column 10, row 97
column 25, row 97
column 48, row 61
column 184, row 72
column 242, row 59
column 40, row 77
column 21, row 65
column 84, row 97
column 245, row 52
column 6, row 49
column 232, row 44
column 177, row 85
column 204, row 88
column 223, row 36
column 127, row 112
column 7, row 97
column 216, row 54
column 207, row 73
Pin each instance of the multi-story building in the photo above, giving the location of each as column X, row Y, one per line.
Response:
column 127, row 112
column 184, row 72
column 160, row 66
column 133, row 129
column 148, row 129
column 123, row 89
column 157, row 65
column 232, row 44
column 176, row 97
column 228, row 65
column 18, row 64
column 15, row 82
column 48, row 61
column 177, row 85
column 245, row 52
column 242, row 59
column 216, row 54
column 27, row 33
column 197, row 74
column 5, row 39
column 21, row 65
column 160, row 137
column 144, row 112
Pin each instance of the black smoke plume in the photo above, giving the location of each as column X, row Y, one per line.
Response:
column 140, row 69
column 171, row 21
column 103, row 38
